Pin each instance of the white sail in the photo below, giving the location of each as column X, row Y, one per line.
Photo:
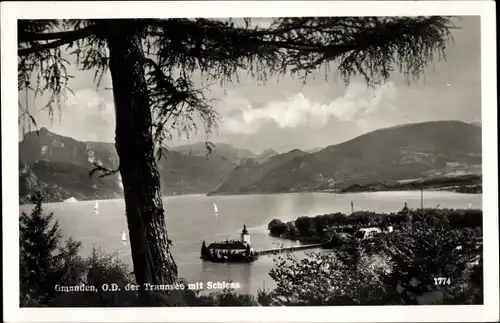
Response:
column 216, row 210
column 124, row 237
column 470, row 205
column 96, row 207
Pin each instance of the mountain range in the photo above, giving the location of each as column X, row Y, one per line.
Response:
column 385, row 155
column 60, row 165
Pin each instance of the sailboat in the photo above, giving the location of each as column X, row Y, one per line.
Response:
column 96, row 208
column 216, row 210
column 124, row 237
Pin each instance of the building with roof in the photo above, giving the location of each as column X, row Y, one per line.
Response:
column 367, row 233
column 229, row 250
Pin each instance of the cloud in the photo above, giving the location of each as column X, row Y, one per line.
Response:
column 88, row 115
column 87, row 101
column 358, row 104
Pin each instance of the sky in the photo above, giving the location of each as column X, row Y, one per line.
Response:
column 284, row 114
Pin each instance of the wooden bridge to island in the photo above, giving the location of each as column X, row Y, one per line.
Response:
column 274, row 251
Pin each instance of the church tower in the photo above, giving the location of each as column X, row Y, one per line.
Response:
column 245, row 236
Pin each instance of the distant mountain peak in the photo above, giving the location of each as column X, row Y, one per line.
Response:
column 60, row 165
column 314, row 150
column 268, row 152
column 227, row 151
column 295, row 151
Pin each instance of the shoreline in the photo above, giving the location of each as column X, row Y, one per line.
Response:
column 468, row 184
column 427, row 189
column 108, row 199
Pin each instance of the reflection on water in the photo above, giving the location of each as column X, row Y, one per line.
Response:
column 190, row 220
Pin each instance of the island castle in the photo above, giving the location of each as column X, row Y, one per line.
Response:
column 230, row 250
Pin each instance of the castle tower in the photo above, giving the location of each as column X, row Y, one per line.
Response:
column 405, row 208
column 245, row 236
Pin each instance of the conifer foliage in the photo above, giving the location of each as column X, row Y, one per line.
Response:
column 44, row 260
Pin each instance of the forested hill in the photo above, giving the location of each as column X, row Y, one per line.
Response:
column 385, row 155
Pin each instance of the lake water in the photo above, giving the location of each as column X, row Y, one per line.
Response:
column 190, row 219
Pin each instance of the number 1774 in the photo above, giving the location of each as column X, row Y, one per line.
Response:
column 442, row 281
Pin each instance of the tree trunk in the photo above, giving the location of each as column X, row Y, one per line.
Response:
column 152, row 259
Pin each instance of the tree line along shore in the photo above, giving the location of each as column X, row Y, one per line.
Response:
column 470, row 184
column 323, row 228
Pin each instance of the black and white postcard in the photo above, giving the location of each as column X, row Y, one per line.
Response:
column 302, row 161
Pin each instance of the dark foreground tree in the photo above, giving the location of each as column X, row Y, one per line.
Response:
column 152, row 63
column 43, row 257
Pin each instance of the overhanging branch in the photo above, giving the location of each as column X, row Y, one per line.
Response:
column 104, row 171
column 37, row 48
column 62, row 39
column 26, row 36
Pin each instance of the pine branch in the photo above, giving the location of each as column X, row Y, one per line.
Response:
column 37, row 48
column 105, row 171
column 26, row 36
column 175, row 101
column 63, row 38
